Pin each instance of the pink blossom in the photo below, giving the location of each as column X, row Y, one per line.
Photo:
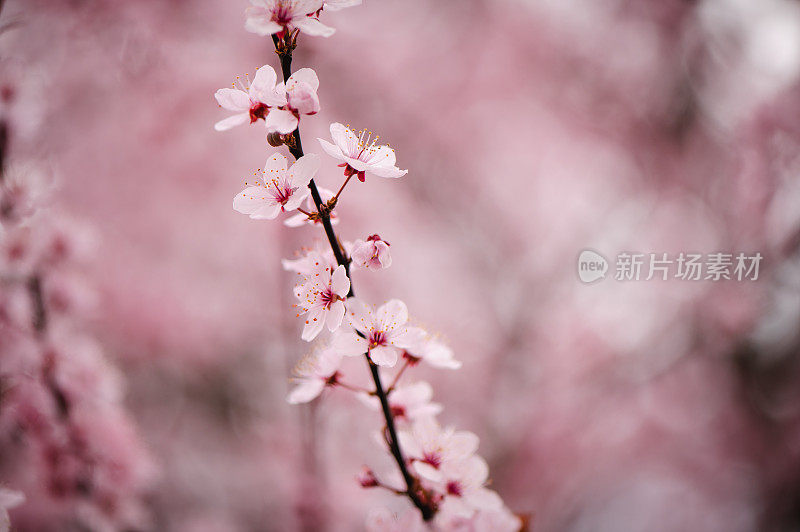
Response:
column 250, row 101
column 300, row 95
column 321, row 297
column 430, row 447
column 277, row 189
column 433, row 352
column 361, row 153
column 268, row 17
column 462, row 484
column 306, row 263
column 409, row 403
column 313, row 373
column 384, row 331
column 372, row 253
column 300, row 219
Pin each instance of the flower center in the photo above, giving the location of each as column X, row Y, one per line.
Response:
column 258, row 110
column 328, row 298
column 411, row 359
column 398, row 411
column 366, row 142
column 282, row 12
column 281, row 191
column 454, row 488
column 432, row 459
column 377, row 338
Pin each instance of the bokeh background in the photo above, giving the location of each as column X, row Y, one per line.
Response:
column 532, row 129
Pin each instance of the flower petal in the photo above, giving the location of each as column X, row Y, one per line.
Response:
column 296, row 199
column 336, row 5
column 263, row 82
column 251, row 200
column 345, row 139
column 261, row 25
column 359, row 315
column 383, row 356
column 349, row 344
column 340, row 283
column 387, row 171
column 232, row 121
column 315, row 321
column 392, row 315
column 306, row 391
column 233, row 99
column 304, row 170
column 306, row 75
column 331, row 149
column 312, row 26
column 408, row 337
column 281, row 121
column 427, row 471
column 274, row 167
column 335, row 315
column 483, row 499
column 267, row 212
column 462, row 444
column 380, row 156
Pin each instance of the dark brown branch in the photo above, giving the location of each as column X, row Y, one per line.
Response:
column 284, row 51
column 37, row 301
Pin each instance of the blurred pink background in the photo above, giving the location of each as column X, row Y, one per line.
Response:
column 532, row 129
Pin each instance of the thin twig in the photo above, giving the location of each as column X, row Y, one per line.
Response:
column 397, row 377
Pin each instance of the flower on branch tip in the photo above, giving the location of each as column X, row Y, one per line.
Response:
column 306, row 263
column 385, row 333
column 250, row 100
column 433, row 352
column 277, row 189
column 372, row 253
column 313, row 373
column 462, row 483
column 408, row 403
column 300, row 219
column 430, row 447
column 321, row 297
column 360, row 153
column 269, row 17
column 299, row 97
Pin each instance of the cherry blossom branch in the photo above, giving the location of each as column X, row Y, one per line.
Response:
column 37, row 300
column 284, row 51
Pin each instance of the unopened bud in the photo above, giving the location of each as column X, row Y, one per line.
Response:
column 367, row 478
column 275, row 139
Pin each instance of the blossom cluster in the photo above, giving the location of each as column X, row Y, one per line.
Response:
column 71, row 454
column 444, row 476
